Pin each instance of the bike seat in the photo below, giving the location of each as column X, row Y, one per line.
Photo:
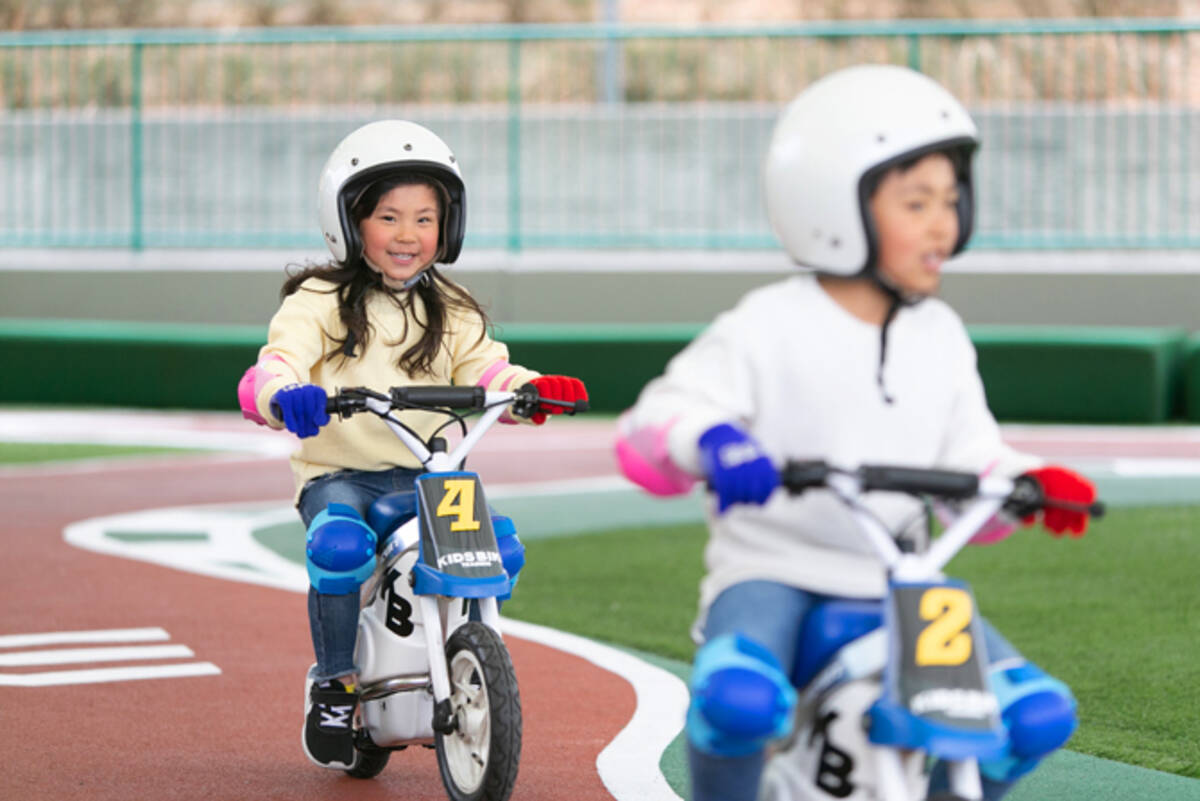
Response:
column 828, row 626
column 388, row 512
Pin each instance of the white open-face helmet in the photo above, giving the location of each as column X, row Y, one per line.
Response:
column 832, row 143
column 381, row 150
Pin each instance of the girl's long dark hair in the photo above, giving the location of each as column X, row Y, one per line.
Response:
column 354, row 282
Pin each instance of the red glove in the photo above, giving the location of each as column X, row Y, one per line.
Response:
column 556, row 387
column 1061, row 484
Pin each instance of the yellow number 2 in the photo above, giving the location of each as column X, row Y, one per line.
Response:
column 944, row 641
column 459, row 502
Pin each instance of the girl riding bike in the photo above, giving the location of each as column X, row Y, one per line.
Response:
column 392, row 206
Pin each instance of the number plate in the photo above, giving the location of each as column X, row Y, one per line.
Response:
column 456, row 527
column 937, row 667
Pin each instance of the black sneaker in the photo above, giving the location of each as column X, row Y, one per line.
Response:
column 329, row 724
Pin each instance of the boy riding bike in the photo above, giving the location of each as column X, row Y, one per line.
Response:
column 868, row 186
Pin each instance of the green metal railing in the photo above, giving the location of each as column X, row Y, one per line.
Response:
column 578, row 136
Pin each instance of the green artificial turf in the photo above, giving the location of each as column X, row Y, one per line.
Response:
column 1116, row 614
column 32, row 452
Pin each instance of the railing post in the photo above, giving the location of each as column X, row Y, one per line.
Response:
column 136, row 200
column 514, row 144
column 914, row 52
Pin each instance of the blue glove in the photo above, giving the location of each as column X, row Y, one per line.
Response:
column 302, row 407
column 737, row 468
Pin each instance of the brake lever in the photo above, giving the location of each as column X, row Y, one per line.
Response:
column 528, row 400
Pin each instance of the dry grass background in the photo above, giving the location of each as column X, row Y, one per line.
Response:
column 58, row 14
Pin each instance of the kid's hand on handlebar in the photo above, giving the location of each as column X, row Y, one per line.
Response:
column 302, row 408
column 1067, row 500
column 737, row 468
column 555, row 394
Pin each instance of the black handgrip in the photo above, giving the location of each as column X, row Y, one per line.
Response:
column 798, row 476
column 920, row 481
column 1028, row 497
column 1095, row 509
column 473, row 397
column 346, row 403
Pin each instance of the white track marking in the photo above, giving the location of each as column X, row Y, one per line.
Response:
column 628, row 765
column 76, row 637
column 100, row 675
column 76, row 656
column 227, row 551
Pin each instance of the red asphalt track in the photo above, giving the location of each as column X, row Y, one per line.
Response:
column 235, row 735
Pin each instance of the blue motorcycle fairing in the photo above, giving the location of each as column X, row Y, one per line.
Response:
column 937, row 659
column 390, row 511
column 476, row 548
column 828, row 626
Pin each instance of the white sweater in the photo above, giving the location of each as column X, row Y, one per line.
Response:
column 798, row 373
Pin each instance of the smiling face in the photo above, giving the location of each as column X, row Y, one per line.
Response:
column 916, row 222
column 400, row 236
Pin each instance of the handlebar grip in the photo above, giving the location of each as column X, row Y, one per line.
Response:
column 796, row 476
column 943, row 483
column 473, row 397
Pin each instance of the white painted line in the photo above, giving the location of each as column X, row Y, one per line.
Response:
column 565, row 486
column 75, row 637
column 1156, row 467
column 628, row 766
column 75, row 656
column 99, row 675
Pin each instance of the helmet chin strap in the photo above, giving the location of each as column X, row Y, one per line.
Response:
column 897, row 300
column 421, row 276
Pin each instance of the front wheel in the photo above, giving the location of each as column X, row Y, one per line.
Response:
column 478, row 760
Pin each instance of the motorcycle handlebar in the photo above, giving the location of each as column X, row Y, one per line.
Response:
column 348, row 402
column 1027, row 496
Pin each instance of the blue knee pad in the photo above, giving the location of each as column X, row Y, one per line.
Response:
column 341, row 550
column 1039, row 713
column 741, row 697
column 512, row 551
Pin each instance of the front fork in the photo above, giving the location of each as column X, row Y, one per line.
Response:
column 435, row 645
column 964, row 776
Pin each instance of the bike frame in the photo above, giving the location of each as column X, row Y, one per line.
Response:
column 442, row 462
column 865, row 655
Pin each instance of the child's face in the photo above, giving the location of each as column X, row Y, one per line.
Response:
column 400, row 237
column 917, row 223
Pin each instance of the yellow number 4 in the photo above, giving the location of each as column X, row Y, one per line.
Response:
column 945, row 640
column 459, row 502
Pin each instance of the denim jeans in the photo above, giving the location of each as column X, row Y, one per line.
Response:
column 771, row 613
column 333, row 619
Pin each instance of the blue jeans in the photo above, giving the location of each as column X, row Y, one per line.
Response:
column 333, row 619
column 771, row 614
